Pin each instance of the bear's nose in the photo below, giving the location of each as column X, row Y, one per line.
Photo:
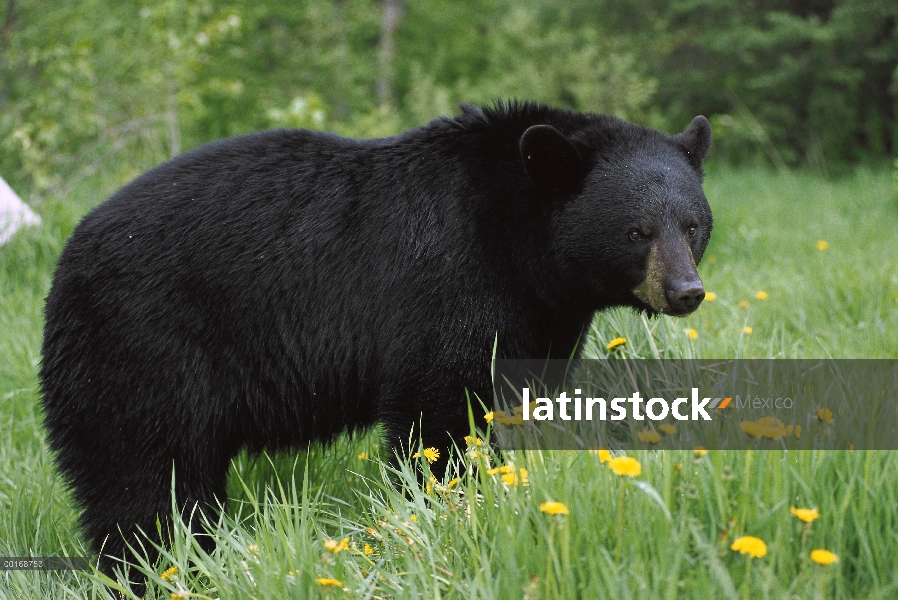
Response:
column 684, row 296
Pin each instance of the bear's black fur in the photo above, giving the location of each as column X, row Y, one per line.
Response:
column 280, row 288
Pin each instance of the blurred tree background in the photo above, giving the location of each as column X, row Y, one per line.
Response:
column 116, row 87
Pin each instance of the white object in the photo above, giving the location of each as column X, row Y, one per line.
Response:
column 14, row 214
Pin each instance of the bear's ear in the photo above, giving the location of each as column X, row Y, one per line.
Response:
column 695, row 141
column 551, row 159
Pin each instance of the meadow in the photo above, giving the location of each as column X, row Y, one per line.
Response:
column 799, row 267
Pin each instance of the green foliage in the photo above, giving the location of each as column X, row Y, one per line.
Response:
column 792, row 83
column 123, row 83
column 808, row 83
column 520, row 51
column 43, row 78
column 785, row 83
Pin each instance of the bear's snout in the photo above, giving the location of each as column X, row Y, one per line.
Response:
column 684, row 296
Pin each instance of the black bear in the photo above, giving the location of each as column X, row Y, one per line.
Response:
column 279, row 288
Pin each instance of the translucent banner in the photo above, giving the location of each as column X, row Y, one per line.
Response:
column 696, row 404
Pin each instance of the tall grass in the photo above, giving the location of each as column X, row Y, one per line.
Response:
column 664, row 534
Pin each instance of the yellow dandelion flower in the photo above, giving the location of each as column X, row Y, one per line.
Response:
column 823, row 557
column 335, row 546
column 822, row 245
column 768, row 427
column 472, row 441
column 761, row 295
column 494, row 414
column 750, row 427
column 519, row 410
column 747, row 330
column 515, row 420
column 744, row 304
column 668, row 428
column 710, row 296
column 372, row 532
column 691, row 333
column 364, row 456
column 327, row 581
column 798, row 432
column 748, row 544
column 510, row 479
column 554, row 508
column 850, row 446
column 179, row 595
column 625, row 466
column 368, row 549
column 506, row 469
column 619, row 341
column 453, row 483
column 805, row 514
column 825, row 414
column 169, row 573
column 523, row 472
column 492, row 471
column 769, row 422
column 431, row 454
column 699, row 451
column 648, row 436
column 604, row 455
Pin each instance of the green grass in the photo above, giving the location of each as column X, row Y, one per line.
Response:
column 664, row 534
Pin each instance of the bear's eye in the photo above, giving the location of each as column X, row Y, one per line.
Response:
column 635, row 234
column 692, row 231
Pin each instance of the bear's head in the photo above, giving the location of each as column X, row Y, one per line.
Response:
column 629, row 219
